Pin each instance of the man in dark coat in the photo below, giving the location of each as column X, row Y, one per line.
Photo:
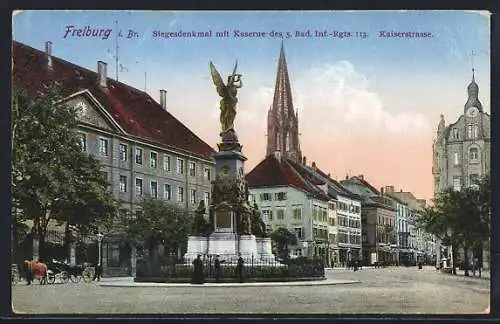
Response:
column 217, row 263
column 98, row 272
column 198, row 270
column 239, row 268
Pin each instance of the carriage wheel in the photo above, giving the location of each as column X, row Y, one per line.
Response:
column 64, row 277
column 88, row 275
column 51, row 278
column 75, row 278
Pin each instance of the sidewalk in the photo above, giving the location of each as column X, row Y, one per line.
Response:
column 350, row 269
column 129, row 282
column 485, row 274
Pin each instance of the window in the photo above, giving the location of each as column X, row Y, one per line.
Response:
column 455, row 158
column 469, row 131
column 180, row 194
column 138, row 186
column 154, row 189
column 123, row 183
column 267, row 215
column 455, row 133
column 473, row 153
column 138, row 155
column 280, row 196
column 207, row 199
column 123, row 152
column 265, row 196
column 206, row 174
column 166, row 163
column 123, row 214
column 103, row 146
column 192, row 169
column 192, row 196
column 180, row 166
column 456, row 184
column 153, row 159
column 280, row 214
column 278, row 142
column 82, row 141
column 474, row 131
column 297, row 213
column 287, row 142
column 167, row 191
column 299, row 232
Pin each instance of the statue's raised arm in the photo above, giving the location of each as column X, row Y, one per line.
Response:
column 228, row 94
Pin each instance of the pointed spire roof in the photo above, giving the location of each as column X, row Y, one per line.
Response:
column 282, row 100
column 472, row 93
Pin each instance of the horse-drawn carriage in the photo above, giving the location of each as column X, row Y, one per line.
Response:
column 66, row 272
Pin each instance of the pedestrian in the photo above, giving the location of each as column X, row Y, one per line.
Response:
column 97, row 272
column 239, row 268
column 475, row 263
column 217, row 263
column 198, row 271
column 28, row 271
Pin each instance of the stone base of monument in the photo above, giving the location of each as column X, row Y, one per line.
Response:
column 228, row 246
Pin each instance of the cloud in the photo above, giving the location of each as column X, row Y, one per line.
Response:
column 338, row 95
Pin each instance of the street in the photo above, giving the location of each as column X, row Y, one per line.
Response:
column 389, row 290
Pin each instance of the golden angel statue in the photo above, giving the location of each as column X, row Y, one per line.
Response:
column 228, row 94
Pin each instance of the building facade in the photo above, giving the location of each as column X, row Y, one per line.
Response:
column 287, row 200
column 143, row 149
column 462, row 152
column 378, row 222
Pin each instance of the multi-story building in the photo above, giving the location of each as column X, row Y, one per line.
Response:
column 402, row 228
column 347, row 205
column 378, row 222
column 423, row 246
column 288, row 200
column 462, row 151
column 144, row 150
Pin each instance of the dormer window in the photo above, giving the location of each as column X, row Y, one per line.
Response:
column 473, row 154
column 455, row 133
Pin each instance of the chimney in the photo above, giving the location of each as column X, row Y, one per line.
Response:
column 389, row 189
column 382, row 190
column 362, row 177
column 313, row 165
column 329, row 176
column 163, row 99
column 102, row 74
column 304, row 161
column 48, row 54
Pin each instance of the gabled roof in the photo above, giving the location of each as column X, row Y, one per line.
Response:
column 134, row 110
column 274, row 171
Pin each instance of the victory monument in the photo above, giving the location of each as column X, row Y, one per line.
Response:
column 234, row 226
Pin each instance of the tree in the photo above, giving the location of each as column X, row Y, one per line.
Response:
column 160, row 222
column 200, row 225
column 460, row 218
column 51, row 177
column 283, row 238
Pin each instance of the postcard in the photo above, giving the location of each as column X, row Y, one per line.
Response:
column 251, row 162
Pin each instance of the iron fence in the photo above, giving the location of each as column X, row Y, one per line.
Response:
column 253, row 268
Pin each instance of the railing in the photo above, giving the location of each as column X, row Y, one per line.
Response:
column 253, row 268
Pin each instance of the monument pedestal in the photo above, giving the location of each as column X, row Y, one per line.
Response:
column 196, row 245
column 248, row 246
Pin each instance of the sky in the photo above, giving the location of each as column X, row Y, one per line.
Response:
column 367, row 104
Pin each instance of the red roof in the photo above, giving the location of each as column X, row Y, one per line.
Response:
column 134, row 110
column 273, row 172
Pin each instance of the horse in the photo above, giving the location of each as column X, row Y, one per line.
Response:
column 36, row 270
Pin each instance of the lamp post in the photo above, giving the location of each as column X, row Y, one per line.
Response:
column 99, row 241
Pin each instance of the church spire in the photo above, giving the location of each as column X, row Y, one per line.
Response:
column 282, row 121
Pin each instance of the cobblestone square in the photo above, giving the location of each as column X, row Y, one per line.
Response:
column 388, row 290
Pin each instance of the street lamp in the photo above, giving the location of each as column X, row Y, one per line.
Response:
column 99, row 241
